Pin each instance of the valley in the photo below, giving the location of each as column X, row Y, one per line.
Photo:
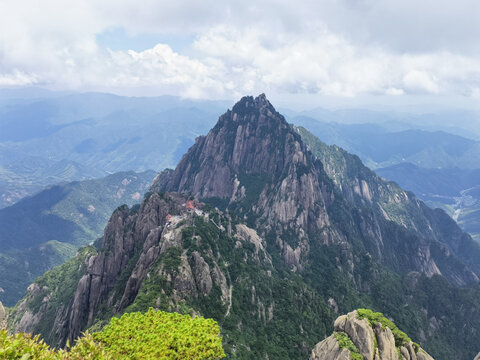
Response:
column 46, row 229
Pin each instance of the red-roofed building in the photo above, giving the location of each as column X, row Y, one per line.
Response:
column 190, row 205
column 168, row 218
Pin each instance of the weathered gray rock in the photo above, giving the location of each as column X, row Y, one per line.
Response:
column 373, row 343
column 386, row 343
column 2, row 316
column 202, row 274
column 329, row 349
column 360, row 332
column 254, row 139
column 477, row 357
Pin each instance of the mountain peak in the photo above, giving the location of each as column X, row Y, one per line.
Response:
column 253, row 154
column 250, row 105
column 249, row 101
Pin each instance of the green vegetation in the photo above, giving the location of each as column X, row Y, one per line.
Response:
column 345, row 342
column 153, row 335
column 158, row 335
column 283, row 314
column 58, row 286
column 21, row 346
column 376, row 317
column 27, row 347
column 171, row 259
column 20, row 267
column 44, row 230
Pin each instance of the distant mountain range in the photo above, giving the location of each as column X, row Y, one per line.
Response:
column 66, row 137
column 382, row 145
column 46, row 229
column 456, row 191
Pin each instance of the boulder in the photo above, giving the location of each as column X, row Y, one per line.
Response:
column 372, row 342
column 329, row 349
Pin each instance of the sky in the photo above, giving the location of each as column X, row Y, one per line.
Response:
column 355, row 51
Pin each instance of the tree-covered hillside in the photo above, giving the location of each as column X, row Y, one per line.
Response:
column 44, row 230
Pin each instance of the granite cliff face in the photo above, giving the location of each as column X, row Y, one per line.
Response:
column 255, row 163
column 391, row 214
column 253, row 158
column 295, row 240
column 355, row 337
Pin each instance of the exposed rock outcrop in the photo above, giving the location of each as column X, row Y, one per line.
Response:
column 253, row 157
column 433, row 237
column 329, row 349
column 2, row 316
column 261, row 167
column 477, row 357
column 358, row 337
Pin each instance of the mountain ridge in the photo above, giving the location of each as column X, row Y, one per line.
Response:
column 212, row 168
column 281, row 256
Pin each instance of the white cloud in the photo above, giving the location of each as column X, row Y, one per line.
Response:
column 344, row 48
column 17, row 78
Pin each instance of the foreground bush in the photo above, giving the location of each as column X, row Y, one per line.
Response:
column 153, row 335
column 161, row 335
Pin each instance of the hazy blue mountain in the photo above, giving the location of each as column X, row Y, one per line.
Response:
column 23, row 175
column 46, row 229
column 47, row 137
column 382, row 145
column 461, row 122
column 456, row 191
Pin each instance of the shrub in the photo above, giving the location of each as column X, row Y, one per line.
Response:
column 153, row 335
column 345, row 342
column 158, row 334
column 376, row 317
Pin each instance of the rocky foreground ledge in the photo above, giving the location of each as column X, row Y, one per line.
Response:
column 365, row 335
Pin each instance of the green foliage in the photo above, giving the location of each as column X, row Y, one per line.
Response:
column 345, row 342
column 27, row 347
column 376, row 317
column 161, row 335
column 20, row 267
column 171, row 259
column 254, row 184
column 21, row 346
column 44, row 230
column 153, row 335
column 58, row 286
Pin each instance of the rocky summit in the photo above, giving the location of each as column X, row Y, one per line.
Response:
column 357, row 336
column 255, row 163
column 272, row 233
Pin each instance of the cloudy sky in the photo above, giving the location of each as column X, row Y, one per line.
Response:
column 347, row 49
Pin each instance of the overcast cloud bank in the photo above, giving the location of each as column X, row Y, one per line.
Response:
column 335, row 48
